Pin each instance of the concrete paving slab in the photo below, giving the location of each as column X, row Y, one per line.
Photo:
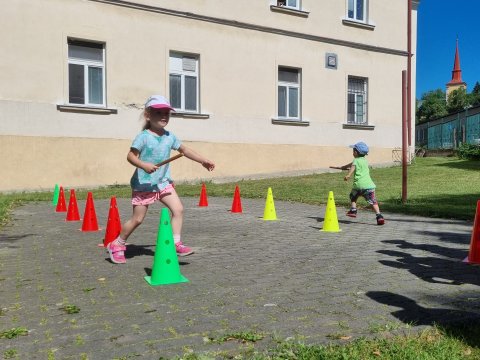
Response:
column 283, row 279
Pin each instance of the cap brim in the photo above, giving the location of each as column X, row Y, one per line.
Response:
column 162, row 106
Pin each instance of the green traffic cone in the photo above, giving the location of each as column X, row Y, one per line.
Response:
column 165, row 268
column 55, row 195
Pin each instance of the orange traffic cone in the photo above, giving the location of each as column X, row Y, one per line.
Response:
column 474, row 254
column 90, row 216
column 237, row 203
column 61, row 204
column 72, row 213
column 113, row 224
column 203, row 196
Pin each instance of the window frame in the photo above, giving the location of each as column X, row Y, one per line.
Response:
column 290, row 85
column 284, row 4
column 355, row 15
column 87, row 64
column 364, row 104
column 183, row 74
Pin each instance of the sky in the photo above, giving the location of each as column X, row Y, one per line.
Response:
column 439, row 24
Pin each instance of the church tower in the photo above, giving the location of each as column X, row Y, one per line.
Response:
column 456, row 81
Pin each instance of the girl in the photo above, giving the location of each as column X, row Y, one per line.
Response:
column 150, row 182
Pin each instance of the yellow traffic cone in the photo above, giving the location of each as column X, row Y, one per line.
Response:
column 330, row 223
column 269, row 212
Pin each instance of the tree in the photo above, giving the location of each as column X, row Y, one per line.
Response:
column 457, row 100
column 474, row 96
column 432, row 106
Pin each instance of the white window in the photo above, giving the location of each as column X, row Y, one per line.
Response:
column 288, row 93
column 184, row 82
column 357, row 10
column 357, row 100
column 86, row 73
column 294, row 4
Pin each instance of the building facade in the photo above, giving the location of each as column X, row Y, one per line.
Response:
column 261, row 87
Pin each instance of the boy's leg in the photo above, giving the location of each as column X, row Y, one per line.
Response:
column 371, row 199
column 174, row 204
column 353, row 207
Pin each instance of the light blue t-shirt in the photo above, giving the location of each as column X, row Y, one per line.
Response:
column 154, row 149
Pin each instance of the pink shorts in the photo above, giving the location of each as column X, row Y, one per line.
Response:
column 146, row 198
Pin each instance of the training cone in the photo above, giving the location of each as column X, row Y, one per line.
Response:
column 72, row 213
column 165, row 268
column 269, row 212
column 113, row 224
column 474, row 253
column 61, row 204
column 56, row 191
column 330, row 222
column 90, row 222
column 237, row 203
column 203, row 196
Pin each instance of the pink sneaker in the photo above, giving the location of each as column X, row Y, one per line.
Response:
column 117, row 253
column 183, row 250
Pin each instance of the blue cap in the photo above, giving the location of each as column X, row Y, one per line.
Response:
column 361, row 147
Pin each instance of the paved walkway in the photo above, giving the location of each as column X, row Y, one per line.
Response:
column 281, row 278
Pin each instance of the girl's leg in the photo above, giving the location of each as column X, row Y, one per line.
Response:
column 117, row 248
column 139, row 212
column 172, row 201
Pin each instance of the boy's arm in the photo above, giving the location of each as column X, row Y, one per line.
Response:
column 344, row 167
column 193, row 155
column 350, row 173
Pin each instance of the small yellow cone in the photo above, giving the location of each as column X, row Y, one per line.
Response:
column 330, row 223
column 269, row 212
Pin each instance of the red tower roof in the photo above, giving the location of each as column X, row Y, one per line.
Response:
column 456, row 72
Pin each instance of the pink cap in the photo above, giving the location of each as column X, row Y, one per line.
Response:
column 158, row 102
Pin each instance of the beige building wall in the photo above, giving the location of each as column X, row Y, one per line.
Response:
column 238, row 86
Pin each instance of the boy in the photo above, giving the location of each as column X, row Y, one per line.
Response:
column 362, row 182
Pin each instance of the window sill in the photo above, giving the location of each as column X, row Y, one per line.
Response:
column 358, row 127
column 86, row 109
column 292, row 122
column 188, row 115
column 290, row 11
column 358, row 24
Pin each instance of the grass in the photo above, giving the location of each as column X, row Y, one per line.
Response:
column 432, row 344
column 437, row 187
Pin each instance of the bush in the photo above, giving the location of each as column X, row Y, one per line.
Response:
column 469, row 152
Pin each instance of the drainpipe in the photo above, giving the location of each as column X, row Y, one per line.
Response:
column 404, row 136
column 409, row 72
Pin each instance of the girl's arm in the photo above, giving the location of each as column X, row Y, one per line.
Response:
column 192, row 155
column 133, row 158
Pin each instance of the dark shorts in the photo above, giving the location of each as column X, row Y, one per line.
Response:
column 368, row 194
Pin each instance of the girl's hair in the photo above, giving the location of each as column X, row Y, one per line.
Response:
column 143, row 117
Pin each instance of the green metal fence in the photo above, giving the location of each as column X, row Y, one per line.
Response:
column 450, row 131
